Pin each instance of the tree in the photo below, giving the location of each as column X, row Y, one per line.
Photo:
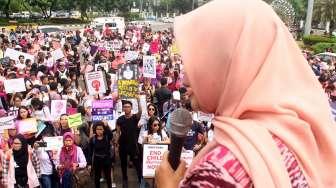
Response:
column 325, row 12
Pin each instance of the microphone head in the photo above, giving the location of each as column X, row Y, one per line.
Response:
column 180, row 122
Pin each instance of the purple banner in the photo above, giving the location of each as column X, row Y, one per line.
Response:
column 102, row 104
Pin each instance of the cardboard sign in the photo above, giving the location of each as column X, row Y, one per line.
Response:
column 152, row 157
column 14, row 55
column 15, row 85
column 57, row 54
column 95, row 82
column 131, row 55
column 54, row 143
column 128, row 89
column 58, row 107
column 113, row 45
column 75, row 120
column 7, row 123
column 128, row 72
column 27, row 126
column 149, row 66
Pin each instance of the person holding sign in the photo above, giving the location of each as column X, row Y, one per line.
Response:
column 155, row 133
column 273, row 126
column 23, row 169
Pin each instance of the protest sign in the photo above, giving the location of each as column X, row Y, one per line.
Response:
column 7, row 123
column 128, row 72
column 58, row 107
column 101, row 65
column 152, row 157
column 95, row 82
column 128, row 89
column 145, row 48
column 102, row 110
column 15, row 85
column 57, row 54
column 75, row 120
column 149, row 66
column 114, row 84
column 27, row 126
column 143, row 103
column 204, row 116
column 131, row 55
column 14, row 55
column 187, row 156
column 54, row 143
column 40, row 127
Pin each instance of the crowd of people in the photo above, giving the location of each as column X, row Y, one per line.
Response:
column 93, row 146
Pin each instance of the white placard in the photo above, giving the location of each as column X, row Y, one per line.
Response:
column 15, row 85
column 95, row 82
column 145, row 48
column 143, row 103
column 152, row 157
column 14, row 55
column 131, row 55
column 149, row 66
column 53, row 143
column 57, row 54
column 188, row 156
column 58, row 107
column 204, row 116
column 7, row 123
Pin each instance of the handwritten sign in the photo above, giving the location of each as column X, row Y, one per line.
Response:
column 27, row 126
column 14, row 55
column 75, row 120
column 131, row 55
column 58, row 107
column 128, row 89
column 57, row 54
column 7, row 123
column 95, row 82
column 54, row 143
column 15, row 85
column 149, row 65
column 152, row 157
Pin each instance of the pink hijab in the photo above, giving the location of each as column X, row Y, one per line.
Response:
column 245, row 67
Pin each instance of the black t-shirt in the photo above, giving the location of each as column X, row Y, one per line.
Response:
column 191, row 138
column 129, row 130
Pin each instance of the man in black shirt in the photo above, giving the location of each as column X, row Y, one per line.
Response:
column 127, row 126
column 162, row 95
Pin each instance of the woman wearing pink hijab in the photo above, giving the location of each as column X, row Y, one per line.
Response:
column 273, row 126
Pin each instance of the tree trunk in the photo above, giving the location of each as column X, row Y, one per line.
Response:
column 7, row 9
column 310, row 8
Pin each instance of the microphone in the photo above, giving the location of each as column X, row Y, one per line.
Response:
column 180, row 124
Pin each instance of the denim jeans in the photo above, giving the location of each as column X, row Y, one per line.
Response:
column 67, row 179
column 46, row 181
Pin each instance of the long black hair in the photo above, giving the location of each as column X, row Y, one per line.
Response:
column 149, row 125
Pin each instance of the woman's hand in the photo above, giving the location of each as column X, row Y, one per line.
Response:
column 165, row 170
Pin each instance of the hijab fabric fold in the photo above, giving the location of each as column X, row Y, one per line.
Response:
column 245, row 67
column 68, row 154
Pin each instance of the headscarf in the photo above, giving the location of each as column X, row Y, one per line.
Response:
column 68, row 155
column 21, row 158
column 245, row 67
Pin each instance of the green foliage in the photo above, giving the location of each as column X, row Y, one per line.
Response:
column 313, row 39
column 320, row 47
column 129, row 16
